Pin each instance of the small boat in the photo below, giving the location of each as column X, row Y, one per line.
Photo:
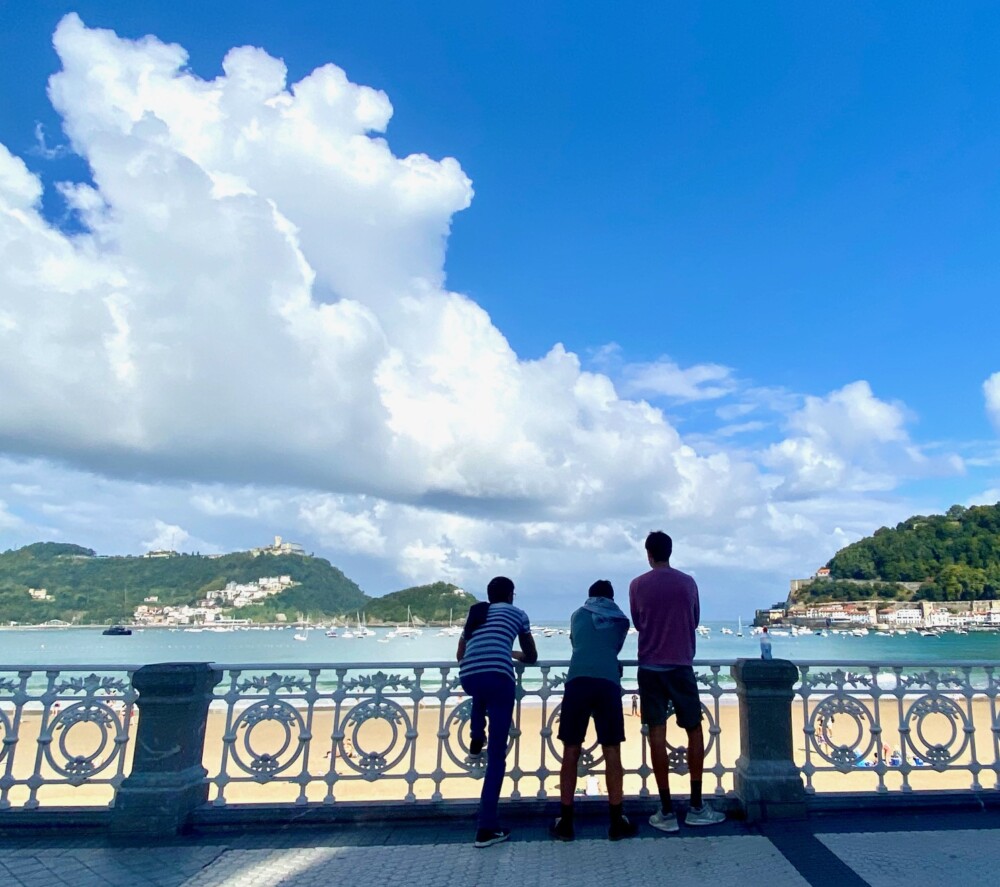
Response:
column 117, row 630
column 409, row 630
column 726, row 631
column 363, row 630
column 452, row 631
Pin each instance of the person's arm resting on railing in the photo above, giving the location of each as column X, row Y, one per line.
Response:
column 528, row 654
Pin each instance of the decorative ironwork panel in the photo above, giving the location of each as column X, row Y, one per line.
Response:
column 898, row 726
column 327, row 733
column 64, row 735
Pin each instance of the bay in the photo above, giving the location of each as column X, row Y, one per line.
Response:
column 87, row 646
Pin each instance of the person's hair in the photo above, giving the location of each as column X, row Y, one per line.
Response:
column 499, row 590
column 602, row 588
column 659, row 546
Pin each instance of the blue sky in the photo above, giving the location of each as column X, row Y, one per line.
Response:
column 761, row 239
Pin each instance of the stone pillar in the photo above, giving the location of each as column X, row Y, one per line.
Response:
column 767, row 780
column 167, row 780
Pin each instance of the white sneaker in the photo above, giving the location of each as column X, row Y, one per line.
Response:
column 665, row 822
column 704, row 815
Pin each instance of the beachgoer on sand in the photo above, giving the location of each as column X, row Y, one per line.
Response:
column 487, row 675
column 666, row 611
column 593, row 690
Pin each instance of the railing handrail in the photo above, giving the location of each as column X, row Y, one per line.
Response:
column 558, row 663
column 549, row 663
column 72, row 667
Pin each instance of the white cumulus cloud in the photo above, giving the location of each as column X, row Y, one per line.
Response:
column 991, row 391
column 166, row 537
column 664, row 378
column 849, row 440
column 253, row 319
column 258, row 297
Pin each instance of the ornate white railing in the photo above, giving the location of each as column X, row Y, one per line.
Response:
column 900, row 726
column 64, row 734
column 328, row 733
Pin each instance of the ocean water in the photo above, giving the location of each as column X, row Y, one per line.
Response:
column 69, row 646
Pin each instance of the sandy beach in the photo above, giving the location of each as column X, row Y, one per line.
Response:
column 433, row 772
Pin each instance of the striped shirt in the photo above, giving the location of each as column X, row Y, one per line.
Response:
column 488, row 647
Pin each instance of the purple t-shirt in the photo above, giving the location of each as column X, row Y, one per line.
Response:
column 666, row 612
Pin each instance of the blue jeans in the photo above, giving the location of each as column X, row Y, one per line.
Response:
column 492, row 697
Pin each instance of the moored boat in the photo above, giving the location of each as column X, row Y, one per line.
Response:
column 117, row 631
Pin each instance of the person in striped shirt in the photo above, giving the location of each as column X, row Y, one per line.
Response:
column 486, row 655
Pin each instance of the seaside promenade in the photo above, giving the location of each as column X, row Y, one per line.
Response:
column 215, row 775
column 847, row 849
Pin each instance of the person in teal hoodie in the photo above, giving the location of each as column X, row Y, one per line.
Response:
column 593, row 690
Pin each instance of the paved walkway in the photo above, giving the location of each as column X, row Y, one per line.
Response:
column 833, row 850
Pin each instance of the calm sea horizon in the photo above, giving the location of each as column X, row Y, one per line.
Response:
column 88, row 646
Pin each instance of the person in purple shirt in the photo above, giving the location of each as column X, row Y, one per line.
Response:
column 666, row 612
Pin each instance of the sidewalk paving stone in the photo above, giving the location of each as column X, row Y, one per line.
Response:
column 914, row 849
column 712, row 860
column 914, row 859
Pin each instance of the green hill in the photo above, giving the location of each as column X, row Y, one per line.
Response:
column 438, row 602
column 85, row 588
column 954, row 556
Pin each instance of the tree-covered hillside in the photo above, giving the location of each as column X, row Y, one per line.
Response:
column 955, row 556
column 89, row 589
column 438, row 602
column 829, row 590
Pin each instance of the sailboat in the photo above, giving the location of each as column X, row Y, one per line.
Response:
column 452, row 631
column 119, row 630
column 739, row 628
column 409, row 630
column 363, row 631
column 302, row 635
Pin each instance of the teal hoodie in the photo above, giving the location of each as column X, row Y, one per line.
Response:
column 597, row 632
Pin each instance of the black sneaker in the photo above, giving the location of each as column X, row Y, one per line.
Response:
column 486, row 837
column 476, row 746
column 623, row 828
column 562, row 829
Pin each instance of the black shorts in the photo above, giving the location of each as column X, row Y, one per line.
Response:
column 592, row 697
column 657, row 689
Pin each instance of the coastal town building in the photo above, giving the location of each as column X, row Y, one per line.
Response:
column 237, row 594
column 879, row 613
column 209, row 609
column 280, row 546
column 930, row 615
